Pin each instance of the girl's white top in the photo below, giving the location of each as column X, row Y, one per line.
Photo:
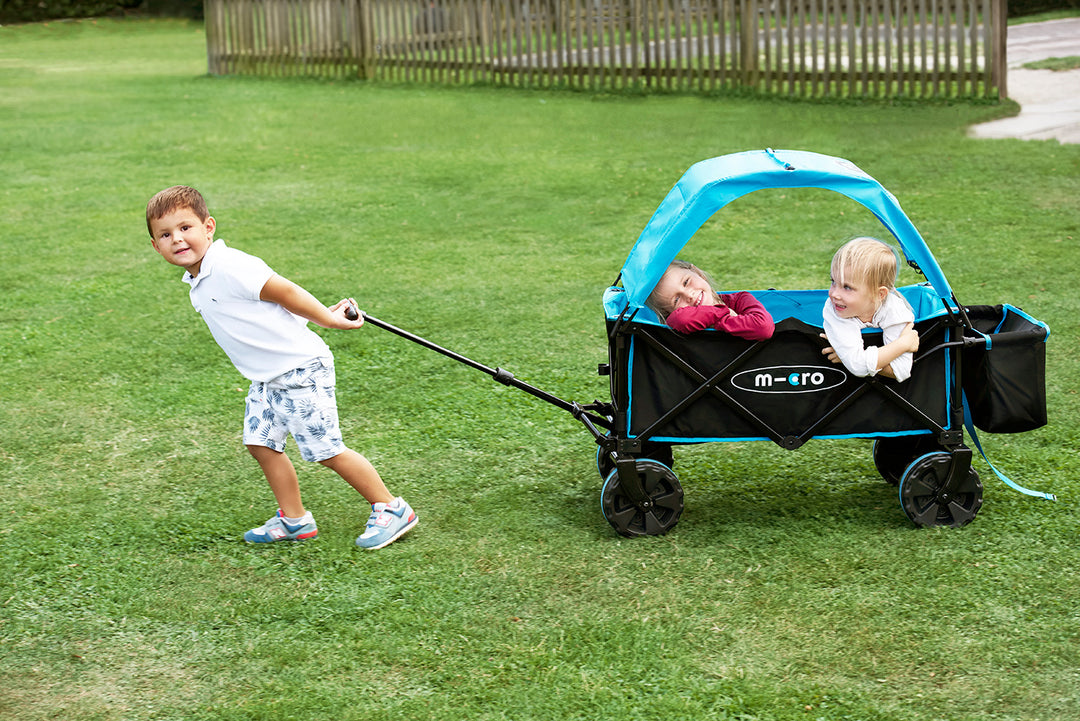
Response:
column 262, row 339
column 845, row 336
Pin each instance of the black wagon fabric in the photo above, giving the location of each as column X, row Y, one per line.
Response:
column 782, row 387
column 1004, row 376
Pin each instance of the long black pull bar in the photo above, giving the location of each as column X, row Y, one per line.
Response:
column 493, row 372
column 502, row 376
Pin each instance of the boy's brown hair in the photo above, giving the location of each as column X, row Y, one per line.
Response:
column 174, row 198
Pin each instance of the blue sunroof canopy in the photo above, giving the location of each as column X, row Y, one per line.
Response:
column 711, row 184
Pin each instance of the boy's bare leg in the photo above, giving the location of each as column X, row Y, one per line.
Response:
column 360, row 474
column 281, row 475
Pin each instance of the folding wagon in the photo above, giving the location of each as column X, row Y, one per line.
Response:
column 669, row 389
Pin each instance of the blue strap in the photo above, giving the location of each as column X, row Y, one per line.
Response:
column 970, row 425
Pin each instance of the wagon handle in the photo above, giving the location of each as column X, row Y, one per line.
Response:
column 503, row 376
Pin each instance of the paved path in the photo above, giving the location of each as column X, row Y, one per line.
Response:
column 1049, row 101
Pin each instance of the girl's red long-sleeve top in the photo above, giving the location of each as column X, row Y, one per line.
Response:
column 751, row 320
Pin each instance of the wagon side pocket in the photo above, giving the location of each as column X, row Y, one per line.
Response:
column 1004, row 375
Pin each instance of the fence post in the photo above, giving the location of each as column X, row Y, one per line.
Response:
column 638, row 42
column 211, row 10
column 365, row 53
column 999, row 20
column 748, row 42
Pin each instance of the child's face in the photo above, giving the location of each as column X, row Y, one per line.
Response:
column 680, row 287
column 182, row 239
column 853, row 299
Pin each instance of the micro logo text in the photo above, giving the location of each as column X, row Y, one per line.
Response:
column 789, row 379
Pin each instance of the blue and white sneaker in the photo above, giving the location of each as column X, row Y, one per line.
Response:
column 387, row 523
column 276, row 529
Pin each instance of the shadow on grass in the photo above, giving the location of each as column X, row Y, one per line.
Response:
column 777, row 502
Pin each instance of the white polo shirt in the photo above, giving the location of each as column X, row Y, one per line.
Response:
column 262, row 339
column 845, row 336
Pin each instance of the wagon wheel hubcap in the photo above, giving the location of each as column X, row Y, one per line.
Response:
column 925, row 500
column 654, row 516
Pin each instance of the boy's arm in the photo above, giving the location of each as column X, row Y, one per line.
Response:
column 295, row 299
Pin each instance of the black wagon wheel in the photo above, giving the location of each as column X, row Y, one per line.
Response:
column 892, row 455
column 661, row 452
column 655, row 517
column 927, row 504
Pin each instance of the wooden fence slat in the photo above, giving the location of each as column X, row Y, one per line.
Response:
column 413, row 42
column 771, row 60
column 679, row 20
column 385, row 58
column 451, row 45
column 437, row 44
column 228, row 42
column 650, row 38
column 946, row 15
column 385, row 68
column 828, row 44
column 397, row 43
column 465, row 69
column 509, row 49
column 838, row 45
column 502, row 50
column 477, row 31
column 517, row 45
column 777, row 57
column 884, row 47
column 974, row 7
column 796, row 33
column 800, row 29
column 706, row 50
column 864, row 30
column 864, row 43
column 817, row 10
column 407, row 41
column 377, row 57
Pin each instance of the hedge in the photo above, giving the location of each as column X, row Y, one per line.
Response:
column 32, row 11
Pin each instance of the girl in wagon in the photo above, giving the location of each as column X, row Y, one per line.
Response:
column 863, row 295
column 685, row 299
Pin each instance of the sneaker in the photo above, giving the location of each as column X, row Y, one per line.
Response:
column 387, row 523
column 276, row 529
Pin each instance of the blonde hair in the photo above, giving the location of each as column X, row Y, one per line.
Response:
column 662, row 306
column 175, row 198
column 866, row 261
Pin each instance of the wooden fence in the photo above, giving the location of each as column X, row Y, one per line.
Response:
column 806, row 48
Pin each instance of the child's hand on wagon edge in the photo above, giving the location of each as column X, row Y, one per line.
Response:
column 828, row 351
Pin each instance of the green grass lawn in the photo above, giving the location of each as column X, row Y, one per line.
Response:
column 489, row 221
column 1072, row 62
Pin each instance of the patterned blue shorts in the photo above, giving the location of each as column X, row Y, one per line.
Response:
column 301, row 402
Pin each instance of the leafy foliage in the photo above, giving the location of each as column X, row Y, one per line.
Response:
column 30, row 11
